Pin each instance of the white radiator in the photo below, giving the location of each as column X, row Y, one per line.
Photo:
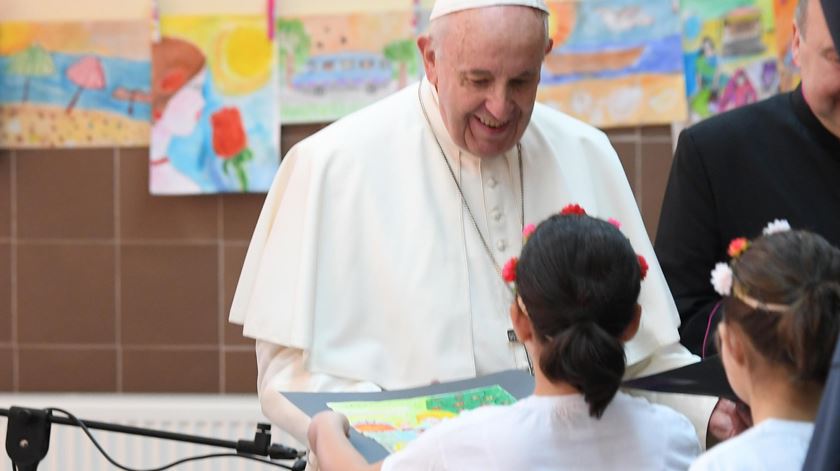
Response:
column 229, row 417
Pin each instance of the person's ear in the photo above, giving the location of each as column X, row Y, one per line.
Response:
column 732, row 344
column 427, row 52
column 520, row 320
column 549, row 46
column 796, row 43
column 633, row 327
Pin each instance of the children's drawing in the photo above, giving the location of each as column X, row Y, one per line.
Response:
column 336, row 64
column 615, row 62
column 214, row 94
column 394, row 423
column 74, row 84
column 788, row 71
column 730, row 54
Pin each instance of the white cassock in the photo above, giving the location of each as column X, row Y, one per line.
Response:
column 365, row 270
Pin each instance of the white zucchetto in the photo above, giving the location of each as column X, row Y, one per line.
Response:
column 445, row 7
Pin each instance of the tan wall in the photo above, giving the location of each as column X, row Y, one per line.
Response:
column 105, row 288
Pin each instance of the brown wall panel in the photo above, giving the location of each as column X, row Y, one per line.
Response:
column 149, row 280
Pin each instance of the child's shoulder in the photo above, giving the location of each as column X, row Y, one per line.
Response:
column 648, row 412
column 654, row 419
column 773, row 443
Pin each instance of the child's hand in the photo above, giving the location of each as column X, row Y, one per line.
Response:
column 728, row 420
column 327, row 422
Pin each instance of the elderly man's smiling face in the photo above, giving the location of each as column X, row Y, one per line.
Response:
column 485, row 64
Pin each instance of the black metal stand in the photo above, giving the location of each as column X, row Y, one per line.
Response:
column 28, row 438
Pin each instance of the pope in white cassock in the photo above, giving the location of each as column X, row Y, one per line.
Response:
column 375, row 261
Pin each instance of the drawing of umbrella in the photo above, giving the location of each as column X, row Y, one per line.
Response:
column 131, row 96
column 230, row 142
column 87, row 72
column 34, row 61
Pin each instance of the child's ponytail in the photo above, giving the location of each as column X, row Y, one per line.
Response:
column 588, row 358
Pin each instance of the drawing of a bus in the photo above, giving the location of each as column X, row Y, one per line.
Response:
column 345, row 70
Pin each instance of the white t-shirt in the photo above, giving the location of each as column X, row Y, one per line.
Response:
column 555, row 433
column 772, row 444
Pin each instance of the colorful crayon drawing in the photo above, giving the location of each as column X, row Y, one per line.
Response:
column 788, row 71
column 730, row 54
column 216, row 126
column 336, row 64
column 394, row 423
column 615, row 62
column 74, row 84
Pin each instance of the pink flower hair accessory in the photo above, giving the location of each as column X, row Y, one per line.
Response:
column 527, row 231
column 722, row 276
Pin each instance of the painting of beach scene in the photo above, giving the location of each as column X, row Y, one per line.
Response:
column 214, row 106
column 615, row 62
column 333, row 65
column 730, row 54
column 74, row 84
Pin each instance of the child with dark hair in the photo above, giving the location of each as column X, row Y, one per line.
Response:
column 781, row 317
column 577, row 284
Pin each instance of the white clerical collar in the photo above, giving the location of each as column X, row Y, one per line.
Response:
column 429, row 95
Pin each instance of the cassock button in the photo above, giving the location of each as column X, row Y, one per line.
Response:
column 501, row 245
column 497, row 215
column 492, row 182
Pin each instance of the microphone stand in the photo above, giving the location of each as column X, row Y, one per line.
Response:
column 28, row 438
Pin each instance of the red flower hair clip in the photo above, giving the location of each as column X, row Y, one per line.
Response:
column 643, row 265
column 575, row 209
column 509, row 270
column 737, row 247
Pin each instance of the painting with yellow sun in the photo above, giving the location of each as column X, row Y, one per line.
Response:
column 214, row 93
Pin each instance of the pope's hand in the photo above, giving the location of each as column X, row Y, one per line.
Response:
column 327, row 422
column 728, row 419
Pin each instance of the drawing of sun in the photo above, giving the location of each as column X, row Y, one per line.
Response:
column 14, row 37
column 561, row 21
column 434, row 415
column 242, row 60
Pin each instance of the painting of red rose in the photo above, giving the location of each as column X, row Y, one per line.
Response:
column 228, row 134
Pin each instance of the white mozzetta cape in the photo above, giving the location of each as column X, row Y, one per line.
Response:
column 359, row 255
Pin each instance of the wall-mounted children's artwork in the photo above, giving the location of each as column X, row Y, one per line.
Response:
column 730, row 54
column 214, row 93
column 788, row 71
column 615, row 62
column 74, row 84
column 333, row 65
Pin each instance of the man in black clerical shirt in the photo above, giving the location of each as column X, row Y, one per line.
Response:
column 734, row 173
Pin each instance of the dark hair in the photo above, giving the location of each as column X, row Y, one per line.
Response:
column 801, row 270
column 580, row 278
